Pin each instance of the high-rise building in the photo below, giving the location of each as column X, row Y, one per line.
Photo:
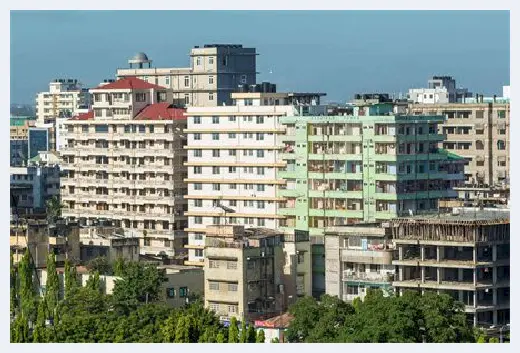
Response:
column 477, row 130
column 18, row 138
column 64, row 98
column 215, row 71
column 465, row 254
column 124, row 162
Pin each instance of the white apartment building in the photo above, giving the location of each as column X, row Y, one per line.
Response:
column 124, row 162
column 215, row 71
column 64, row 98
column 440, row 90
column 232, row 162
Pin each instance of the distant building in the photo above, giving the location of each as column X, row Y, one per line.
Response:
column 243, row 272
column 64, row 98
column 465, row 255
column 39, row 140
column 19, row 137
column 441, row 90
column 108, row 242
column 215, row 71
column 61, row 239
column 358, row 258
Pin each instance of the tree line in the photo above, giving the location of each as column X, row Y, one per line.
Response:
column 133, row 313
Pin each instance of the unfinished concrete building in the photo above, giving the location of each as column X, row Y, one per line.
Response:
column 243, row 272
column 465, row 255
column 358, row 258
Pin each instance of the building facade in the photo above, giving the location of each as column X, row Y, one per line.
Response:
column 64, row 98
column 109, row 242
column 19, row 137
column 465, row 255
column 358, row 258
column 478, row 131
column 243, row 272
column 124, row 162
column 216, row 70
column 440, row 90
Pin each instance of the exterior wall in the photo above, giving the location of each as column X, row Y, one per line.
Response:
column 429, row 95
column 111, row 247
column 208, row 81
column 39, row 182
column 247, row 181
column 133, row 178
column 180, row 285
column 473, row 131
column 61, row 99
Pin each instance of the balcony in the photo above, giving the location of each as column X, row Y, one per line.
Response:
column 349, row 275
column 18, row 241
column 157, row 251
column 380, row 257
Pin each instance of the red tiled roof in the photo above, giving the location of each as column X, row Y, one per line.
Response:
column 281, row 321
column 129, row 83
column 161, row 111
column 84, row 116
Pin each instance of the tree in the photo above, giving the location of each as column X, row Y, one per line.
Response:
column 233, row 331
column 39, row 327
column 70, row 279
column 168, row 328
column 27, row 288
column 275, row 340
column 494, row 340
column 481, row 339
column 221, row 338
column 260, row 337
column 53, row 206
column 251, row 334
column 20, row 330
column 93, row 282
column 12, row 286
column 119, row 267
column 100, row 265
column 52, row 286
column 243, row 332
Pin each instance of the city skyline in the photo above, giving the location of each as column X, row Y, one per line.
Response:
column 360, row 54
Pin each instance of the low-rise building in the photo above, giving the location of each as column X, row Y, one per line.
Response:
column 465, row 254
column 358, row 258
column 108, row 242
column 61, row 239
column 275, row 327
column 243, row 274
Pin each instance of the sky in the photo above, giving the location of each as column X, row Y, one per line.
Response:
column 336, row 52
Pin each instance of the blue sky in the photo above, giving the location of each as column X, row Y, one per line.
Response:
column 339, row 53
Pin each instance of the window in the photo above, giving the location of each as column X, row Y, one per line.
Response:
column 501, row 145
column 167, row 80
column 216, row 170
column 183, row 292
column 232, row 152
column 210, row 96
column 210, row 60
column 216, row 187
column 501, row 114
column 232, row 135
column 260, row 187
column 232, row 119
column 260, row 153
column 232, row 186
column 197, row 203
column 215, row 136
column 301, row 258
column 232, row 287
column 261, row 204
column 196, row 120
column 231, row 265
column 215, row 120
column 216, row 220
column 501, row 163
column 198, row 236
column 260, row 137
column 501, row 131
column 479, row 145
column 196, row 136
column 224, row 61
column 140, row 97
column 216, row 153
column 260, row 170
column 259, row 119
column 232, row 170
column 101, row 128
column 198, row 60
column 198, row 220
column 210, row 80
column 170, row 292
column 243, row 79
column 213, row 286
column 233, row 203
column 261, row 222
column 197, row 153
column 199, row 252
column 197, row 186
column 186, row 81
column 197, row 170
column 213, row 264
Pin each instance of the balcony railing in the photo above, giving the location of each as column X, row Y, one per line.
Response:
column 367, row 277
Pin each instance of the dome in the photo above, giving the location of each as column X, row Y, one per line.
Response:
column 140, row 57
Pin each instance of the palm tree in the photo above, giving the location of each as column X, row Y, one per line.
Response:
column 54, row 207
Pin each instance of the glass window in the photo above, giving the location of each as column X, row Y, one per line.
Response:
column 196, row 120
column 170, row 292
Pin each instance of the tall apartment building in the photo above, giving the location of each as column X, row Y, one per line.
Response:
column 124, row 162
column 232, row 162
column 358, row 258
column 478, row 131
column 243, row 272
column 216, row 71
column 368, row 165
column 64, row 98
column 465, row 255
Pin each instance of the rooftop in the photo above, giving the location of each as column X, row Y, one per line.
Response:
column 129, row 83
column 281, row 321
column 467, row 215
column 84, row 116
column 161, row 111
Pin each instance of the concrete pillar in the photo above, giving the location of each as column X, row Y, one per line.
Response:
column 494, row 253
column 495, row 296
column 475, row 277
column 401, row 274
column 423, row 250
column 423, row 274
column 495, row 317
column 495, row 276
column 440, row 253
column 440, row 272
column 401, row 253
column 475, row 300
column 460, row 274
column 461, row 296
column 475, row 255
column 475, row 316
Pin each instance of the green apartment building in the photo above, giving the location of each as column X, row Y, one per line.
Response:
column 366, row 167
